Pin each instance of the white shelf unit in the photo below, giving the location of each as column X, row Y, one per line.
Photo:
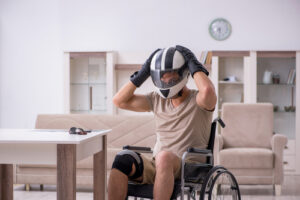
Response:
column 282, row 95
column 89, row 82
column 224, row 65
column 254, row 63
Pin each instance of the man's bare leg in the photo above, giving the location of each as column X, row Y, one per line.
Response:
column 167, row 164
column 118, row 184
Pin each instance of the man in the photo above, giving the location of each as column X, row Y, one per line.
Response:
column 183, row 118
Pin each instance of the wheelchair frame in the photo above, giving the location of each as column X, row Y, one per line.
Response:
column 186, row 186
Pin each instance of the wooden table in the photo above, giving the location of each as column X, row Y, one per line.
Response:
column 38, row 146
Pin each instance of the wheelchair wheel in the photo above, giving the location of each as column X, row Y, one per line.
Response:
column 220, row 184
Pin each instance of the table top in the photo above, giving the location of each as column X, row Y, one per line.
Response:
column 46, row 136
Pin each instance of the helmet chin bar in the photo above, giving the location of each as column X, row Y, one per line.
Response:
column 174, row 92
column 180, row 93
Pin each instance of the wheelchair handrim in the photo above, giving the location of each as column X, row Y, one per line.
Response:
column 232, row 183
column 208, row 178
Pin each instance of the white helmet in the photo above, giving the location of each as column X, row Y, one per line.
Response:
column 169, row 72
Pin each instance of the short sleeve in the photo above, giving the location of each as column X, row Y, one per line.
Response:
column 151, row 97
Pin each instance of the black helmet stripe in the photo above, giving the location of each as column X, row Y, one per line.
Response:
column 169, row 58
column 158, row 60
column 165, row 92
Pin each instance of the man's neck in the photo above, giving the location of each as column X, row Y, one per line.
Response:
column 179, row 99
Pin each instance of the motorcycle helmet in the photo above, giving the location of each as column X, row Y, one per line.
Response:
column 169, row 72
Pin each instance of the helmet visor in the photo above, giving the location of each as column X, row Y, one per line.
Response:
column 168, row 78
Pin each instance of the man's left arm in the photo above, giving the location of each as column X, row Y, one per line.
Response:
column 206, row 97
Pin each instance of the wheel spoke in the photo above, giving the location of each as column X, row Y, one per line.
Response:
column 223, row 187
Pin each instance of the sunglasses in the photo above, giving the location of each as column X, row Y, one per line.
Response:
column 79, row 131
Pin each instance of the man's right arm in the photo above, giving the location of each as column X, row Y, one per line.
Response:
column 126, row 99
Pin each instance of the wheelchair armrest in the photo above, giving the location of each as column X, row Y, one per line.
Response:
column 193, row 150
column 200, row 151
column 138, row 149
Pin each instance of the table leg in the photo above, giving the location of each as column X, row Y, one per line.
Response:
column 100, row 183
column 66, row 172
column 6, row 182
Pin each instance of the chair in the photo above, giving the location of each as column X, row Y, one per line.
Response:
column 212, row 182
column 248, row 147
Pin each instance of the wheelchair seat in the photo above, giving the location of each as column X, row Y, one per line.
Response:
column 194, row 173
column 212, row 182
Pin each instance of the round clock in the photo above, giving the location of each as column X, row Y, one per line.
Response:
column 220, row 29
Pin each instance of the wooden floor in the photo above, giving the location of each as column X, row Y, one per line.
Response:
column 290, row 191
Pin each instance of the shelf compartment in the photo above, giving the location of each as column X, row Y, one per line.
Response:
column 87, row 54
column 231, row 82
column 98, row 97
column 279, row 84
column 230, row 53
column 128, row 66
column 88, row 82
column 79, row 97
column 276, row 54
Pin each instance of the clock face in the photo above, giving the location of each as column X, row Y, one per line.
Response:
column 220, row 29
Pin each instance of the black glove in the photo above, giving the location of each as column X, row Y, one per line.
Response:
column 139, row 77
column 193, row 64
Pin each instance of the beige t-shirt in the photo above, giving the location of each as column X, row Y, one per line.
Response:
column 178, row 128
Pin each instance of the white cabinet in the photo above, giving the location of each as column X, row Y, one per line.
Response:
column 248, row 82
column 89, row 82
column 228, row 76
column 281, row 91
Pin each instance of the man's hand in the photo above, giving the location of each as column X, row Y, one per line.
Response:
column 139, row 77
column 193, row 64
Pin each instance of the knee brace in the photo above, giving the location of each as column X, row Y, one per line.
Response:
column 124, row 160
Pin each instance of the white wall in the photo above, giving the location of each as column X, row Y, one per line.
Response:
column 30, row 61
column 35, row 33
column 136, row 25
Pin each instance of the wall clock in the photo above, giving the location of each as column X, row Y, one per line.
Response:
column 220, row 29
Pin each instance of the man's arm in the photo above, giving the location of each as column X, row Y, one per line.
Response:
column 206, row 97
column 126, row 99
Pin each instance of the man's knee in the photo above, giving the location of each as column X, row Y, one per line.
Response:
column 167, row 160
column 124, row 161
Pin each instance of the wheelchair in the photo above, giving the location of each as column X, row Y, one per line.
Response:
column 204, row 179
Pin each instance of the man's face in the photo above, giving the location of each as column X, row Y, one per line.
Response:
column 170, row 77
